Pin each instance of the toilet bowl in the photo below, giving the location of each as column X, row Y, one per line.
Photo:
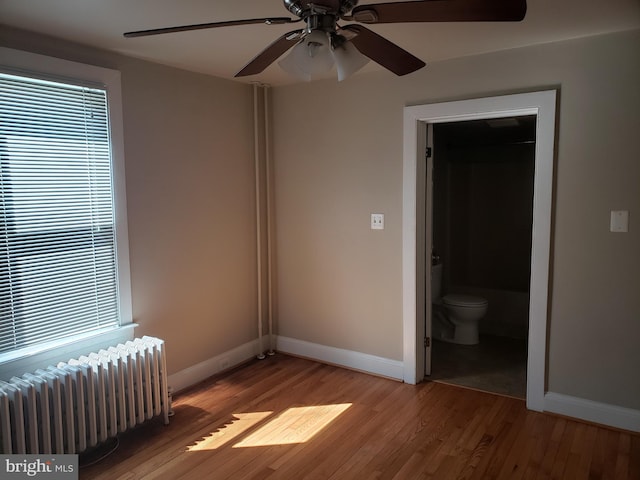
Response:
column 464, row 312
column 455, row 317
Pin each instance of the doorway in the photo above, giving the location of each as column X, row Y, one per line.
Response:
column 482, row 216
column 417, row 226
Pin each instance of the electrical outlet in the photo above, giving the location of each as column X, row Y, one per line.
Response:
column 377, row 221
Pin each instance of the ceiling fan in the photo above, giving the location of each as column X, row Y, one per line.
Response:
column 322, row 41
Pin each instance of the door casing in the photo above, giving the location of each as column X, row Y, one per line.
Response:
column 416, row 227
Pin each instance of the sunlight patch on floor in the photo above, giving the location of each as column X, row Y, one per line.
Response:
column 294, row 425
column 240, row 424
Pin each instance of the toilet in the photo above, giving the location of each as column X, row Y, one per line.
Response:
column 455, row 317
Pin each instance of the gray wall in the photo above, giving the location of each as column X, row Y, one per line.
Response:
column 340, row 283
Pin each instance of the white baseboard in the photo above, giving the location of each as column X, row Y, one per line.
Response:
column 203, row 370
column 596, row 412
column 345, row 358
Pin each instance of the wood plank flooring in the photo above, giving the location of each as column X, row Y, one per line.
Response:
column 290, row 418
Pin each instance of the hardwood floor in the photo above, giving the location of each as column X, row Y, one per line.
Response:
column 289, row 418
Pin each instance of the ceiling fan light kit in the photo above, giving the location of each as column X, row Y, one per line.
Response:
column 348, row 60
column 310, row 57
column 318, row 52
column 322, row 43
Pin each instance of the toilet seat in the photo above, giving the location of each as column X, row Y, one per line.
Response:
column 460, row 300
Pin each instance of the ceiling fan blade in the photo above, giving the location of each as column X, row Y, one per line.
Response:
column 383, row 52
column 270, row 54
column 441, row 11
column 201, row 26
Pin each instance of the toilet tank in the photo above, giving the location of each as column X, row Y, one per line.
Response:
column 436, row 282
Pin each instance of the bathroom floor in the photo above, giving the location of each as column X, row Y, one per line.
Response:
column 496, row 364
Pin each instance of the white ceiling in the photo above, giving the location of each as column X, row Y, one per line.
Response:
column 222, row 52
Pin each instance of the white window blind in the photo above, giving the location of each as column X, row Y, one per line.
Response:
column 57, row 235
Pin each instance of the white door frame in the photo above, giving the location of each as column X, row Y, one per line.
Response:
column 416, row 118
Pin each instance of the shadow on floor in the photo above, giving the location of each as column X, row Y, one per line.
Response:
column 496, row 364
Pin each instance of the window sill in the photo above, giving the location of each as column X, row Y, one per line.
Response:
column 30, row 359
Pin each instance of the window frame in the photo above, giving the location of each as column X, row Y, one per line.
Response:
column 19, row 62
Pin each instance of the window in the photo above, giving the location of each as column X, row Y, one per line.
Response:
column 62, row 271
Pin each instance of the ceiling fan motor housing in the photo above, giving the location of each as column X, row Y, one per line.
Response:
column 303, row 8
column 294, row 6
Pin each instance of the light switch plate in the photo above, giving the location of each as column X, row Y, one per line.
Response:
column 619, row 221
